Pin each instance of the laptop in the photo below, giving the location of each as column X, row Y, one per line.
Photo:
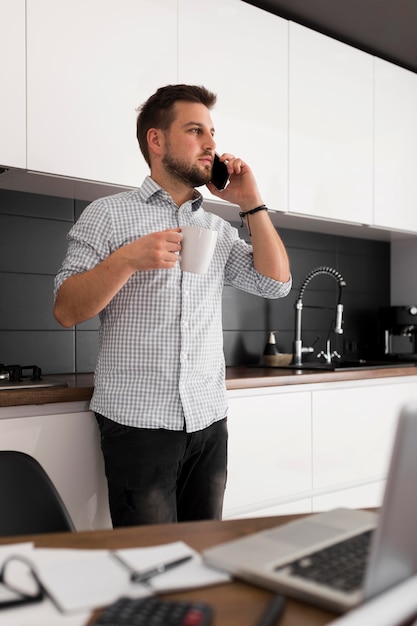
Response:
column 313, row 560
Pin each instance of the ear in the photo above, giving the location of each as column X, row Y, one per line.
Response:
column 155, row 140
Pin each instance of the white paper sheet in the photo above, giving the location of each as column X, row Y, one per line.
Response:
column 43, row 614
column 23, row 549
column 40, row 614
column 79, row 581
column 82, row 579
column 194, row 573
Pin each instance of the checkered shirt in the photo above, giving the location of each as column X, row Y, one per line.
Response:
column 161, row 362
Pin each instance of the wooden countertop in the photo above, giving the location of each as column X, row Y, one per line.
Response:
column 80, row 386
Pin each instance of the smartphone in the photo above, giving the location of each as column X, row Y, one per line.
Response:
column 219, row 176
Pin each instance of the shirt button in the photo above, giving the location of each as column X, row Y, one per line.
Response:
column 185, row 324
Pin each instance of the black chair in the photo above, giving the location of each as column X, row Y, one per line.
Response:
column 29, row 501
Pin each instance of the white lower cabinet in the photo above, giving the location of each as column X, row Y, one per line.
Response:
column 67, row 446
column 312, row 449
column 269, row 452
column 366, row 496
column 353, row 431
column 292, row 449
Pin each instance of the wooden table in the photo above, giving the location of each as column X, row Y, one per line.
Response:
column 235, row 603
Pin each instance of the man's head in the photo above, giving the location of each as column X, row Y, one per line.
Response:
column 159, row 110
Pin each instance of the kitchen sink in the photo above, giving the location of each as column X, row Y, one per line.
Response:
column 342, row 365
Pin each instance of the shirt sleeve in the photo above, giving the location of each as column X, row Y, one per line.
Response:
column 240, row 272
column 89, row 243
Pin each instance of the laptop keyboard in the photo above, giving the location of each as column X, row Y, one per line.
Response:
column 340, row 566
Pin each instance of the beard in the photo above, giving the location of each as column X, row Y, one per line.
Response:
column 182, row 171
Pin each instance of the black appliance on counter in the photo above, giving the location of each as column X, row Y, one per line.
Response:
column 25, row 377
column 398, row 332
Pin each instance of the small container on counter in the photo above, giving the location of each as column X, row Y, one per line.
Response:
column 272, row 356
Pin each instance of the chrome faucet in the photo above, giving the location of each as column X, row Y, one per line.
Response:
column 328, row 355
column 298, row 349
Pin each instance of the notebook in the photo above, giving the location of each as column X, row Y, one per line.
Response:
column 295, row 558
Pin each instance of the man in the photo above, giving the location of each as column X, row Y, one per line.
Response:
column 159, row 396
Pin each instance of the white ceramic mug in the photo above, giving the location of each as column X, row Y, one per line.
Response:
column 197, row 247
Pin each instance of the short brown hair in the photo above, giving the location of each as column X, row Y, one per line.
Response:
column 158, row 110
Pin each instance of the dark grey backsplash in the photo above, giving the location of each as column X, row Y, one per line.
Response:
column 33, row 232
column 365, row 266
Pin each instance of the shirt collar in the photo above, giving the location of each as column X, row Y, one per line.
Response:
column 150, row 188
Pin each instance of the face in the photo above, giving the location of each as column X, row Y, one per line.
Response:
column 189, row 144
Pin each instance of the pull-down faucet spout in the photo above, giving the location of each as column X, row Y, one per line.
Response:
column 298, row 349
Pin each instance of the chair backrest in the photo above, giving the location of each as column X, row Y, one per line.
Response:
column 29, row 501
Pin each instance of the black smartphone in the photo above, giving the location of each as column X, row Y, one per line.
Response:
column 219, row 176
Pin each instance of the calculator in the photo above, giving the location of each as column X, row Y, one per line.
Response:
column 153, row 611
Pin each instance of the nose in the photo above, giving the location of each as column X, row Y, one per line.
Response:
column 209, row 142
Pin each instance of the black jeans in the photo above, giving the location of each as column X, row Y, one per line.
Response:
column 163, row 476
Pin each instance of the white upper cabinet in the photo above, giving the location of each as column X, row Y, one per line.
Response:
column 395, row 147
column 241, row 53
column 90, row 65
column 13, row 84
column 329, row 131
column 330, row 128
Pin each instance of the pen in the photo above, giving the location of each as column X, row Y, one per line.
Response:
column 143, row 577
column 273, row 611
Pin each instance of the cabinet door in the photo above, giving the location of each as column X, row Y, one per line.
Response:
column 240, row 52
column 67, row 445
column 366, row 496
column 13, row 84
column 90, row 65
column 269, row 451
column 395, row 147
column 353, row 431
column 331, row 128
